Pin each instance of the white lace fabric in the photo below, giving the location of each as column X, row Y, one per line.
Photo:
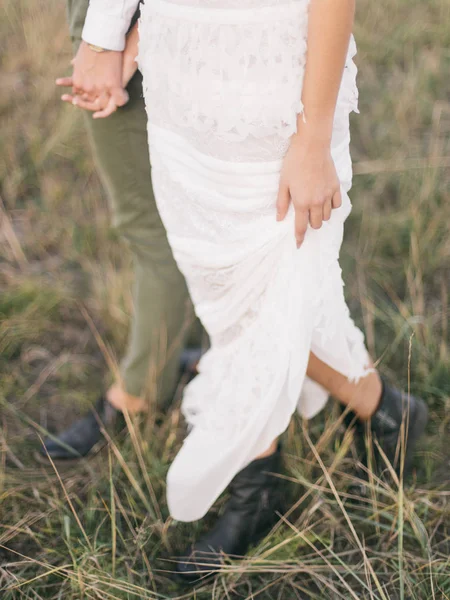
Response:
column 223, row 84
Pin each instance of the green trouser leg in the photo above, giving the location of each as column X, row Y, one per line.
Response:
column 162, row 308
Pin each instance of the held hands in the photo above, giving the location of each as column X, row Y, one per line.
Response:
column 99, row 79
column 308, row 179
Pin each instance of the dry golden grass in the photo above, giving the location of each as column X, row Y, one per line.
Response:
column 100, row 529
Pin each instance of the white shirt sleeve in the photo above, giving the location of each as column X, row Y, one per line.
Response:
column 107, row 22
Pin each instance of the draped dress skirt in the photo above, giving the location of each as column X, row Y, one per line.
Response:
column 223, row 85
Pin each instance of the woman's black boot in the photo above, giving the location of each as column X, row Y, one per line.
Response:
column 385, row 425
column 253, row 508
column 397, row 441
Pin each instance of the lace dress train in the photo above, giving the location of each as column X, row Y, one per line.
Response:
column 223, row 81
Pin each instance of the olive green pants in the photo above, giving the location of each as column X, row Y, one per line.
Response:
column 162, row 308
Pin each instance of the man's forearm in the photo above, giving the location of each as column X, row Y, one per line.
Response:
column 329, row 30
column 107, row 22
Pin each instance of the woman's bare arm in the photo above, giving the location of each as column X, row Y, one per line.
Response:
column 329, row 29
column 308, row 176
column 129, row 55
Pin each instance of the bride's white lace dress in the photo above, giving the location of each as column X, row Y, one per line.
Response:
column 223, row 81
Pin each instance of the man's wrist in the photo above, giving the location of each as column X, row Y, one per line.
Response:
column 104, row 29
column 97, row 49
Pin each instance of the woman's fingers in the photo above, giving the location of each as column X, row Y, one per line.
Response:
column 120, row 96
column 326, row 211
column 67, row 98
column 75, row 101
column 301, row 224
column 107, row 111
column 316, row 216
column 283, row 201
column 337, row 199
column 93, row 105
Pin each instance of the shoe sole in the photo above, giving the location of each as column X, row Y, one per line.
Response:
column 70, row 460
column 61, row 462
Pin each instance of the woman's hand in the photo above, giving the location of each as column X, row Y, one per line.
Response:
column 308, row 176
column 308, row 179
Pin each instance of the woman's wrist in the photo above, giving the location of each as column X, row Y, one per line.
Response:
column 314, row 130
column 129, row 59
column 129, row 69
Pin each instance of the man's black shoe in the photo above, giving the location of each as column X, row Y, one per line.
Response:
column 79, row 439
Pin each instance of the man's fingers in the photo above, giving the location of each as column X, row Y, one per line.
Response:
column 120, row 96
column 64, row 81
column 283, row 201
column 337, row 199
column 108, row 110
column 84, row 88
column 301, row 225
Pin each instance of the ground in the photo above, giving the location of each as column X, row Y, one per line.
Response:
column 100, row 529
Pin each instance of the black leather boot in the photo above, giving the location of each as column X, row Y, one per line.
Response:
column 250, row 513
column 79, row 439
column 386, row 426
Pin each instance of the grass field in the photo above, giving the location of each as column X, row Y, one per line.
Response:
column 100, row 529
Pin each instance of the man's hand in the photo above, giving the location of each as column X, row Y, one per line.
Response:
column 96, row 81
